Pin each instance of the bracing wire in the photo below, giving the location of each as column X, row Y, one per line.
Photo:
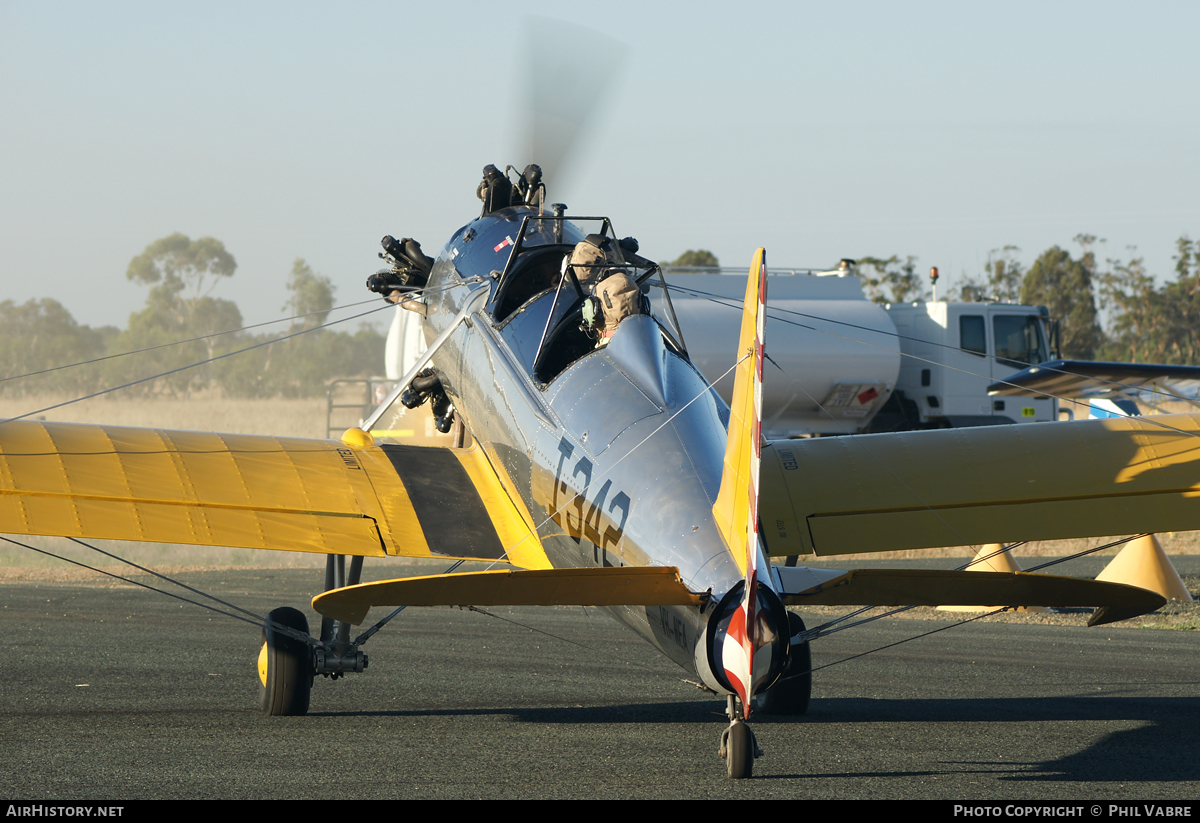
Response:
column 367, row 634
column 237, row 612
column 829, row 627
column 721, row 301
column 708, row 388
column 1124, row 386
column 825, row 628
column 907, row 639
column 256, row 622
column 181, row 342
column 244, row 616
column 162, row 577
column 576, row 643
column 193, row 365
column 885, row 467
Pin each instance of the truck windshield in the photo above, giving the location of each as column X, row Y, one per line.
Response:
column 1019, row 340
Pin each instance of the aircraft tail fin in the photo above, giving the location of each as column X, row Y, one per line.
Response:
column 736, row 509
column 739, row 478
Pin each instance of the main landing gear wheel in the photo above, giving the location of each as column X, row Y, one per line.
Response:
column 790, row 695
column 285, row 665
column 737, row 747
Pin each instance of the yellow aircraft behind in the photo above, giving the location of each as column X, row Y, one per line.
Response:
column 598, row 467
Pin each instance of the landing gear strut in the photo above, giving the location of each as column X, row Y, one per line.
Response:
column 336, row 655
column 739, row 746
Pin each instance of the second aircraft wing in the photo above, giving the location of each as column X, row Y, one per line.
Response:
column 960, row 487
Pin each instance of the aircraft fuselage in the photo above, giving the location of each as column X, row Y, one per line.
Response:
column 617, row 454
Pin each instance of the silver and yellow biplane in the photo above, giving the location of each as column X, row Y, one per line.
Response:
column 604, row 470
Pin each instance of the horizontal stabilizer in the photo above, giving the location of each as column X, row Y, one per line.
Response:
column 995, row 484
column 258, row 492
column 919, row 587
column 608, row 586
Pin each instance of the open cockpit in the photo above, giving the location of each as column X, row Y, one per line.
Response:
column 562, row 291
column 549, row 292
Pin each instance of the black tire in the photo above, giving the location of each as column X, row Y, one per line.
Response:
column 739, row 751
column 791, row 693
column 285, row 666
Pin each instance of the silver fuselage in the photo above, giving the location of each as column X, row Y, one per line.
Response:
column 618, row 456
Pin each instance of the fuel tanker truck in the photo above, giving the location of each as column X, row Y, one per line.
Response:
column 842, row 364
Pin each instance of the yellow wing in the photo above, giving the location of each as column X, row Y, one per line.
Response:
column 959, row 487
column 259, row 492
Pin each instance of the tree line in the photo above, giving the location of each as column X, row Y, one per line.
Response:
column 181, row 274
column 1147, row 322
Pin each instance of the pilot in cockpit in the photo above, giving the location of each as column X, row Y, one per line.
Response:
column 590, row 258
column 615, row 297
column 612, row 294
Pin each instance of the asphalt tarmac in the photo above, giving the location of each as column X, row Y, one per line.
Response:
column 111, row 692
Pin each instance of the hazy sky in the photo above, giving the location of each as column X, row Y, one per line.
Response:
column 818, row 130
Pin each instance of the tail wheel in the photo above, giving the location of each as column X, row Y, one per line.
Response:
column 285, row 665
column 738, row 747
column 791, row 693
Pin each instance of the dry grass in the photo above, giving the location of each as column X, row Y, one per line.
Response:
column 1170, row 407
column 204, row 412
column 16, row 560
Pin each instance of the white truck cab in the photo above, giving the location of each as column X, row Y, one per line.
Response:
column 956, row 349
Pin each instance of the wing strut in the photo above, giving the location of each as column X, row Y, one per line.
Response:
column 476, row 299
